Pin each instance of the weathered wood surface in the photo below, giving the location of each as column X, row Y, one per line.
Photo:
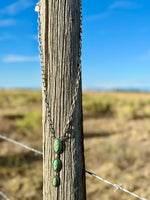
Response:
column 60, row 40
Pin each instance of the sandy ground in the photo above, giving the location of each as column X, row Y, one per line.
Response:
column 116, row 149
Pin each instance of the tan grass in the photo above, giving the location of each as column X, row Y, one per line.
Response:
column 116, row 138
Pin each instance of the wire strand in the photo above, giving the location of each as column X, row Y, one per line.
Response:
column 4, row 196
column 20, row 144
column 118, row 187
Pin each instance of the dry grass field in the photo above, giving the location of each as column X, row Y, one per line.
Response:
column 116, row 140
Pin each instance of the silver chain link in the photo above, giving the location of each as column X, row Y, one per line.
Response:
column 43, row 71
column 77, row 84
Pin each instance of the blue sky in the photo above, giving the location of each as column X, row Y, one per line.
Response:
column 116, row 44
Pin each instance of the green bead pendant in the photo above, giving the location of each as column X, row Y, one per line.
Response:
column 56, row 181
column 57, row 164
column 57, row 146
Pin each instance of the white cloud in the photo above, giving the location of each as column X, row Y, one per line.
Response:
column 18, row 58
column 7, row 22
column 5, row 36
column 122, row 5
column 111, row 10
column 16, row 7
column 98, row 16
column 145, row 56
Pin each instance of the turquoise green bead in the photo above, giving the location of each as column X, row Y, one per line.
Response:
column 57, row 165
column 56, row 181
column 57, row 146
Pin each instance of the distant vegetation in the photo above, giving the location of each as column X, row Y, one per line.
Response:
column 19, row 97
column 30, row 123
column 100, row 104
column 116, row 104
column 116, row 140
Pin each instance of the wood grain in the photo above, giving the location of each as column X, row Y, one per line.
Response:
column 61, row 45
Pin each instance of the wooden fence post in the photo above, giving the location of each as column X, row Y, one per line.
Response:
column 60, row 37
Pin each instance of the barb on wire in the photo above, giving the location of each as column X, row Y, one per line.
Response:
column 118, row 187
column 4, row 196
column 20, row 144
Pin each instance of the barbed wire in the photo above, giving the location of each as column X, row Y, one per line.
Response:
column 4, row 196
column 118, row 187
column 20, row 144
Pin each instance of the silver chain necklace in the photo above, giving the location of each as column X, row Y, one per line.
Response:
column 57, row 164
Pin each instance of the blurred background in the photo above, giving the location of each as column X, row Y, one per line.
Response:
column 116, row 98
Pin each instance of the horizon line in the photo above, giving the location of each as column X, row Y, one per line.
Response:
column 125, row 89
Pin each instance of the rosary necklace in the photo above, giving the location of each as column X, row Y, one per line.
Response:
column 58, row 145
